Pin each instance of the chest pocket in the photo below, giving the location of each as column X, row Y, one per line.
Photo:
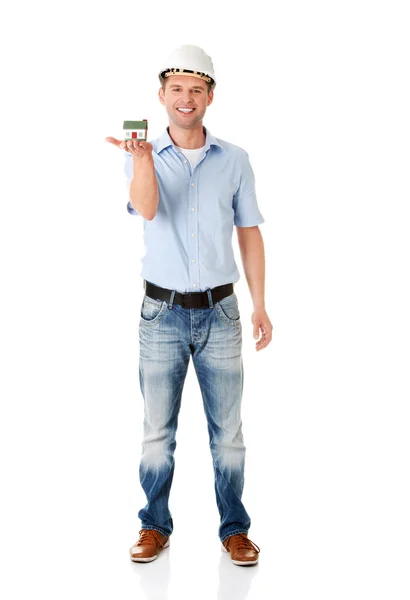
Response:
column 218, row 186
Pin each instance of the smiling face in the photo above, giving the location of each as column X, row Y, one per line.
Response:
column 185, row 92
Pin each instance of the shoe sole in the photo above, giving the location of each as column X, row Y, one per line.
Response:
column 241, row 563
column 149, row 558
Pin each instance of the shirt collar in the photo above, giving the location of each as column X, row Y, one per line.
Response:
column 165, row 141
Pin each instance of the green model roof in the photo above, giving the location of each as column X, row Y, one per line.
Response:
column 135, row 124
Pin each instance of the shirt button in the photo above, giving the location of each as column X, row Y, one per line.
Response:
column 192, row 209
column 184, row 162
column 193, row 260
column 194, row 285
column 192, row 184
column 193, row 235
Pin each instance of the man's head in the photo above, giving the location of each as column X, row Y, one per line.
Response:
column 188, row 92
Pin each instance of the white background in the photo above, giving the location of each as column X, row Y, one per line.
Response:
column 318, row 95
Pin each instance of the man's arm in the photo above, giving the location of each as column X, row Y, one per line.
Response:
column 144, row 187
column 253, row 259
column 139, row 169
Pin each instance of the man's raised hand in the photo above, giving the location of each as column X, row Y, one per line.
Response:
column 136, row 148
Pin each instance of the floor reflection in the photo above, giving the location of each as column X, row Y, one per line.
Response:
column 234, row 581
column 155, row 576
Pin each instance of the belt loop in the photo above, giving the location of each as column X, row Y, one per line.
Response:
column 211, row 304
column 171, row 300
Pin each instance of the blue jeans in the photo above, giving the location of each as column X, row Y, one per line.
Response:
column 169, row 334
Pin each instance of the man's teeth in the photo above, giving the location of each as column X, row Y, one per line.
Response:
column 185, row 109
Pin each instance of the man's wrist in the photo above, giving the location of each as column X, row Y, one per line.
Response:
column 145, row 158
column 259, row 306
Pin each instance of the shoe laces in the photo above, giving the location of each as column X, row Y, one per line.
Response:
column 241, row 542
column 149, row 537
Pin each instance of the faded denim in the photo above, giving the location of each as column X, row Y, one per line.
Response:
column 169, row 335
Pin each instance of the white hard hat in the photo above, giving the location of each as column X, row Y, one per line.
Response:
column 191, row 61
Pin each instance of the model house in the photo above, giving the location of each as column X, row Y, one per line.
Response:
column 136, row 130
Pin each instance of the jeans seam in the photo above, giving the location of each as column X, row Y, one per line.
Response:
column 217, row 487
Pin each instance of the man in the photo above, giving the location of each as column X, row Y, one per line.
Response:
column 191, row 188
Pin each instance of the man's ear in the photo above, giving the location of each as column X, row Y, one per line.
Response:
column 161, row 95
column 210, row 97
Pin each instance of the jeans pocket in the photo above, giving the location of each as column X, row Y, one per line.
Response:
column 152, row 310
column 228, row 309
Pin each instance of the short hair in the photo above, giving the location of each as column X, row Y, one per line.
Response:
column 207, row 83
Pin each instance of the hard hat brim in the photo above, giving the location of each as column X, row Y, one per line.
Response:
column 177, row 71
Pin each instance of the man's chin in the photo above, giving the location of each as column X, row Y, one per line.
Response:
column 185, row 123
column 192, row 118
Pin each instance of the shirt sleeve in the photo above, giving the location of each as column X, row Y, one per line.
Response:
column 129, row 174
column 245, row 204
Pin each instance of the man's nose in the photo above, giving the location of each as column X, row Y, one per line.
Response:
column 188, row 97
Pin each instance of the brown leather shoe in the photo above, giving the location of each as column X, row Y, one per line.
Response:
column 149, row 545
column 243, row 552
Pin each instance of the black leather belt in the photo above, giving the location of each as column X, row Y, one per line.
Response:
column 191, row 299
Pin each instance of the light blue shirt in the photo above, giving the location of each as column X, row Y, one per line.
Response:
column 189, row 241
